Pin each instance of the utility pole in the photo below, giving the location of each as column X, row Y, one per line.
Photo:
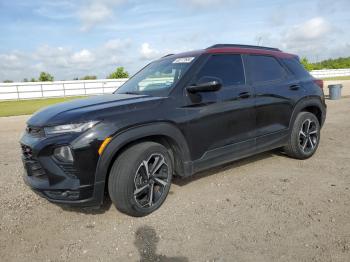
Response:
column 259, row 40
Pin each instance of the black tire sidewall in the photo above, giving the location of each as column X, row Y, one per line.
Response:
column 126, row 182
column 295, row 134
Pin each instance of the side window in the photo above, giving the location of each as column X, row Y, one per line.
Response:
column 229, row 68
column 265, row 68
column 296, row 67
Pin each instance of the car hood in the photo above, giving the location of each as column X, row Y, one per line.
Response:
column 92, row 108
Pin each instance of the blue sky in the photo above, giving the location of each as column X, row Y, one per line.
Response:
column 75, row 38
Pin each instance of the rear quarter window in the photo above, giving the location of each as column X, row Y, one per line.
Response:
column 265, row 68
column 296, row 67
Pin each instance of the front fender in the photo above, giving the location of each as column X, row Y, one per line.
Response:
column 129, row 135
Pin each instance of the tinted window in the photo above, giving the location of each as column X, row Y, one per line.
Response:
column 157, row 78
column 228, row 68
column 265, row 68
column 296, row 67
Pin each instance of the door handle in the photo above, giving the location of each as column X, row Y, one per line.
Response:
column 294, row 87
column 244, row 95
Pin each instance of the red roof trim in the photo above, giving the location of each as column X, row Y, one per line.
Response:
column 248, row 51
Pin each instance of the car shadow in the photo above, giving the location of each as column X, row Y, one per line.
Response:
column 146, row 241
column 182, row 181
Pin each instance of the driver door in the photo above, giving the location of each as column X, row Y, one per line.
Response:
column 221, row 123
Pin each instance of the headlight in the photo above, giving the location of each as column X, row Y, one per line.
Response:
column 69, row 128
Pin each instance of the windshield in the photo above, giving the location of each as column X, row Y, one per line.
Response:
column 157, row 78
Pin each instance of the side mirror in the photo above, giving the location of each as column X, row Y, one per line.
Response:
column 205, row 84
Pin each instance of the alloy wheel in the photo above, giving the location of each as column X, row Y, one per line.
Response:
column 308, row 136
column 151, row 180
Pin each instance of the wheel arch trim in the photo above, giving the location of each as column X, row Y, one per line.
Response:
column 312, row 101
column 122, row 139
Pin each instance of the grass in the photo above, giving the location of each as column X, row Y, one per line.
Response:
column 27, row 107
column 337, row 78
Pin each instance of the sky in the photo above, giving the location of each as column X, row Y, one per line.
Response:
column 76, row 38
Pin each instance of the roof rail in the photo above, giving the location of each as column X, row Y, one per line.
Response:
column 167, row 55
column 244, row 46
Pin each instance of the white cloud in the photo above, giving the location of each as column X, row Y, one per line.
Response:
column 52, row 56
column 10, row 61
column 147, row 52
column 311, row 30
column 93, row 14
column 46, row 51
column 83, row 57
column 315, row 38
column 117, row 44
column 65, row 63
column 39, row 67
column 96, row 12
column 13, row 65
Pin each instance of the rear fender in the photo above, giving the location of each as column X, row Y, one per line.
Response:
column 308, row 102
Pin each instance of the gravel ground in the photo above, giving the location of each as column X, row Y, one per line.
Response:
column 263, row 208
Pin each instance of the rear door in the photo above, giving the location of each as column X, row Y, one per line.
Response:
column 274, row 92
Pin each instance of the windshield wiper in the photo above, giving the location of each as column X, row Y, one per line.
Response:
column 131, row 93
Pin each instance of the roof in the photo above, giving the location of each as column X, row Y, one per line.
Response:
column 239, row 49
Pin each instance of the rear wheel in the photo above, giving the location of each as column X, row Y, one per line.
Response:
column 140, row 179
column 305, row 136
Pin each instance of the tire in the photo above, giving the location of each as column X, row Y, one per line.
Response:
column 132, row 187
column 305, row 136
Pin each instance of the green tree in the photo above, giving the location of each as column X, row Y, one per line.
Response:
column 8, row 81
column 89, row 77
column 118, row 73
column 336, row 63
column 307, row 65
column 45, row 77
column 32, row 79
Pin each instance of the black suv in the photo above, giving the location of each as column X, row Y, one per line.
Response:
column 177, row 116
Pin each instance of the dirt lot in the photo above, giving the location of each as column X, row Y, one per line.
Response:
column 264, row 208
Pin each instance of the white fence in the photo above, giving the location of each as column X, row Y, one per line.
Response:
column 31, row 90
column 325, row 73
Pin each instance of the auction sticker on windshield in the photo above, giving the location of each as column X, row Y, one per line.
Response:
column 183, row 60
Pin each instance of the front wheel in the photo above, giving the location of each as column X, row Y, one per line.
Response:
column 305, row 136
column 140, row 179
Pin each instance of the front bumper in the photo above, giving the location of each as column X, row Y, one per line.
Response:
column 71, row 197
column 63, row 183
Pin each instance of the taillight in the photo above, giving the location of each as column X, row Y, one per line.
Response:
column 319, row 82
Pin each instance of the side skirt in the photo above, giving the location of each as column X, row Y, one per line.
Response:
column 237, row 151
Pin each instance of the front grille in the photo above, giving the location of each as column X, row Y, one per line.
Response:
column 27, row 152
column 35, row 131
column 34, row 169
column 32, row 166
column 69, row 170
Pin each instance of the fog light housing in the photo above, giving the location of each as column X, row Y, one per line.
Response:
column 64, row 154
